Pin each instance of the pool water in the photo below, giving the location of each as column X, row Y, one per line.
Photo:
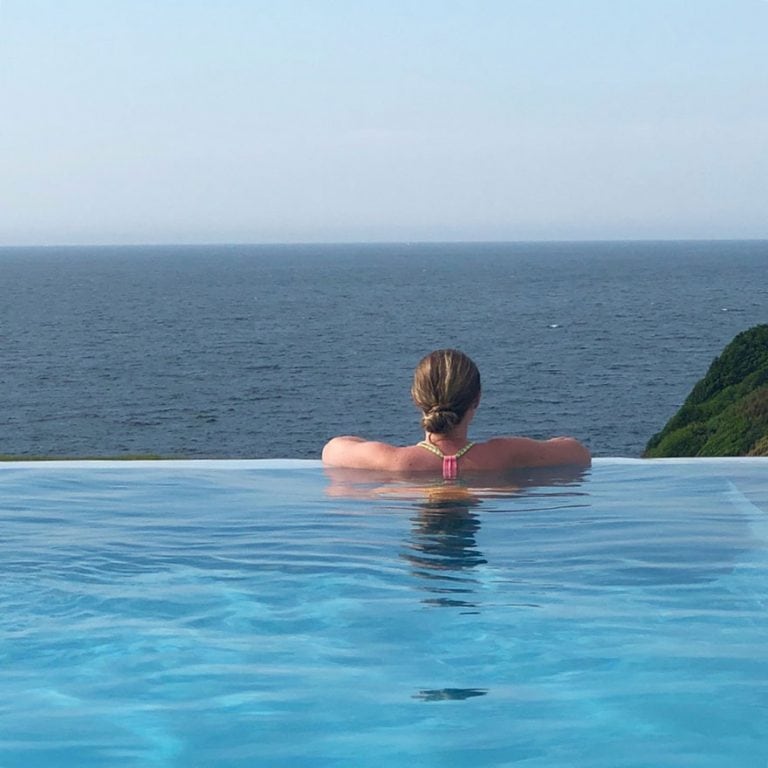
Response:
column 273, row 614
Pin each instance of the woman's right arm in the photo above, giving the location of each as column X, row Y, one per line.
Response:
column 357, row 453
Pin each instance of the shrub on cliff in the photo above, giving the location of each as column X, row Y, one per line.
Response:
column 726, row 413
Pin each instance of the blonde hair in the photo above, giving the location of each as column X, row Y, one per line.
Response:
column 446, row 384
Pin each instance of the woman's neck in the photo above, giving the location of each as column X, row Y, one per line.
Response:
column 457, row 436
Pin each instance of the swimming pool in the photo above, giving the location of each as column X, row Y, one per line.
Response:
column 236, row 613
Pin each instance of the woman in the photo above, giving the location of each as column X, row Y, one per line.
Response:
column 446, row 387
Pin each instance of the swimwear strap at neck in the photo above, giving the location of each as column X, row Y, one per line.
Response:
column 450, row 463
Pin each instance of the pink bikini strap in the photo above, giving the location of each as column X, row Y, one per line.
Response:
column 450, row 463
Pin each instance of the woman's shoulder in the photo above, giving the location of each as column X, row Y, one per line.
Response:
column 358, row 453
column 498, row 453
column 507, row 452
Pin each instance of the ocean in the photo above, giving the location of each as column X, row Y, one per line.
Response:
column 267, row 351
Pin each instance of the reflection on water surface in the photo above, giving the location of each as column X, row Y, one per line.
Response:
column 442, row 543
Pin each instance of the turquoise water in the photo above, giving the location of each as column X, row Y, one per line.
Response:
column 242, row 613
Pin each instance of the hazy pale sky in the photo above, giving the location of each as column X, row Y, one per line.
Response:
column 182, row 121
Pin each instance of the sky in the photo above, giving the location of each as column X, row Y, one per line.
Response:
column 182, row 121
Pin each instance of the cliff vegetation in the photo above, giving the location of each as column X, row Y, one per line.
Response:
column 726, row 413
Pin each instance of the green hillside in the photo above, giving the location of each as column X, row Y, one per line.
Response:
column 726, row 413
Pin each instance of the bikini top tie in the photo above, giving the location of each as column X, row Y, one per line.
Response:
column 450, row 463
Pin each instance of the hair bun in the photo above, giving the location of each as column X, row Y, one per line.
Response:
column 440, row 419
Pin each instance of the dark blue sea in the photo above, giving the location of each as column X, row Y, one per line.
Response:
column 267, row 351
